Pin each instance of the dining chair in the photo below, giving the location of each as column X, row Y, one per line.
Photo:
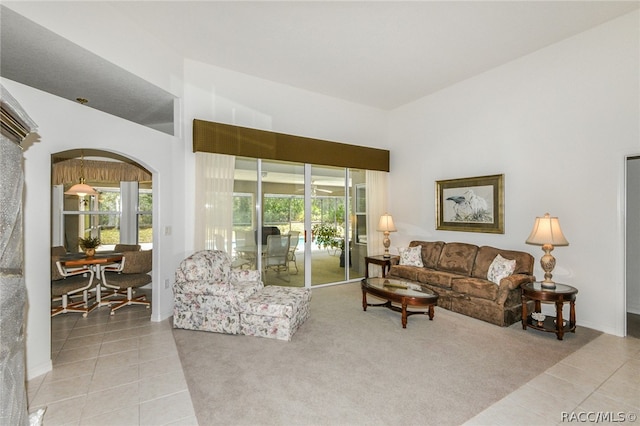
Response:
column 245, row 250
column 294, row 237
column 58, row 251
column 266, row 231
column 276, row 257
column 66, row 283
column 126, row 247
column 131, row 273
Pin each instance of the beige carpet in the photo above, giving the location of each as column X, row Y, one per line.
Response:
column 349, row 367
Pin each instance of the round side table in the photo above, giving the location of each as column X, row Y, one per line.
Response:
column 561, row 294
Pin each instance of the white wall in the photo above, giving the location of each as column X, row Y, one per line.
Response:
column 216, row 94
column 558, row 123
column 64, row 125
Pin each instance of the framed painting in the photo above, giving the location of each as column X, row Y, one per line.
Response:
column 471, row 204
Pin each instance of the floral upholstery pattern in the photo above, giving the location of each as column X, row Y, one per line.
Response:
column 411, row 256
column 275, row 312
column 207, row 293
column 213, row 266
column 500, row 268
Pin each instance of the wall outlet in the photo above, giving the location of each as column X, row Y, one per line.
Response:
column 166, row 283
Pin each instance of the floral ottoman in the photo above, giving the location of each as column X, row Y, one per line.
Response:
column 275, row 312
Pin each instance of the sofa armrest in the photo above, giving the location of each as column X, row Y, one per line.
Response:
column 510, row 283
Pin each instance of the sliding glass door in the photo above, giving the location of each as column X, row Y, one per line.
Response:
column 328, row 224
column 283, row 218
column 310, row 210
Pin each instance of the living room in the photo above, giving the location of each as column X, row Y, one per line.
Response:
column 558, row 123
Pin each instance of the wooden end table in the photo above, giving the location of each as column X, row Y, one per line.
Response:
column 561, row 294
column 384, row 262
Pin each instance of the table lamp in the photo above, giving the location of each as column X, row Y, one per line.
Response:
column 547, row 233
column 386, row 225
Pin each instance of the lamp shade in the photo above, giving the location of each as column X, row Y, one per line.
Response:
column 546, row 230
column 386, row 223
column 81, row 189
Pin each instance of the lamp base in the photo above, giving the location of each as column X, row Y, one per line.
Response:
column 386, row 242
column 548, row 285
column 548, row 262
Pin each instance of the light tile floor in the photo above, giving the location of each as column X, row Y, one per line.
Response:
column 125, row 370
column 112, row 370
column 600, row 379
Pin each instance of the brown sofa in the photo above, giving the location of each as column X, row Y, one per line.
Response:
column 458, row 273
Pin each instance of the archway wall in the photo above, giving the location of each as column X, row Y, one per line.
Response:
column 65, row 125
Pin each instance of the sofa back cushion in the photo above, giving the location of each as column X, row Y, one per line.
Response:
column 431, row 251
column 486, row 254
column 458, row 258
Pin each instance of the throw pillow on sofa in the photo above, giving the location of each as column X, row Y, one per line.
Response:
column 500, row 268
column 411, row 256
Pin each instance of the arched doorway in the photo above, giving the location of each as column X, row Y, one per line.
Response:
column 117, row 210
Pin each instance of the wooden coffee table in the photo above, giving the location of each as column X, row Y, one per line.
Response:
column 400, row 292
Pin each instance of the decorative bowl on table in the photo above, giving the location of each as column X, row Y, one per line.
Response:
column 539, row 317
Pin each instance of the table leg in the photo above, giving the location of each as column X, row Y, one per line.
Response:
column 559, row 326
column 525, row 314
column 364, row 300
column 431, row 312
column 572, row 316
column 404, row 315
column 99, row 301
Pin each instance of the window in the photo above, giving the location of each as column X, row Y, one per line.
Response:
column 117, row 215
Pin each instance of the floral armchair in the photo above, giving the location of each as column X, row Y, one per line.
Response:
column 207, row 292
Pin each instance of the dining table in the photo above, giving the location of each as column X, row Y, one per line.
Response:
column 96, row 262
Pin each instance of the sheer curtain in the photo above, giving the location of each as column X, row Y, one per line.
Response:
column 376, row 207
column 214, row 201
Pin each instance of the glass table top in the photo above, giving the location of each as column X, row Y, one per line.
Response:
column 399, row 287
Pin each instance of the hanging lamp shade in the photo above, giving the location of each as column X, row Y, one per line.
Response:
column 81, row 189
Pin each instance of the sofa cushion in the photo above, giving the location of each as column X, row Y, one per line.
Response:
column 475, row 287
column 437, row 278
column 458, row 258
column 406, row 272
column 411, row 256
column 431, row 251
column 486, row 254
column 500, row 268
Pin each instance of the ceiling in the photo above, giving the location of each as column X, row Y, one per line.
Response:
column 382, row 54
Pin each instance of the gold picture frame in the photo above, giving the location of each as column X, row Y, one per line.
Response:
column 473, row 204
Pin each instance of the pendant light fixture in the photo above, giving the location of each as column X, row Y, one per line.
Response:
column 81, row 189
